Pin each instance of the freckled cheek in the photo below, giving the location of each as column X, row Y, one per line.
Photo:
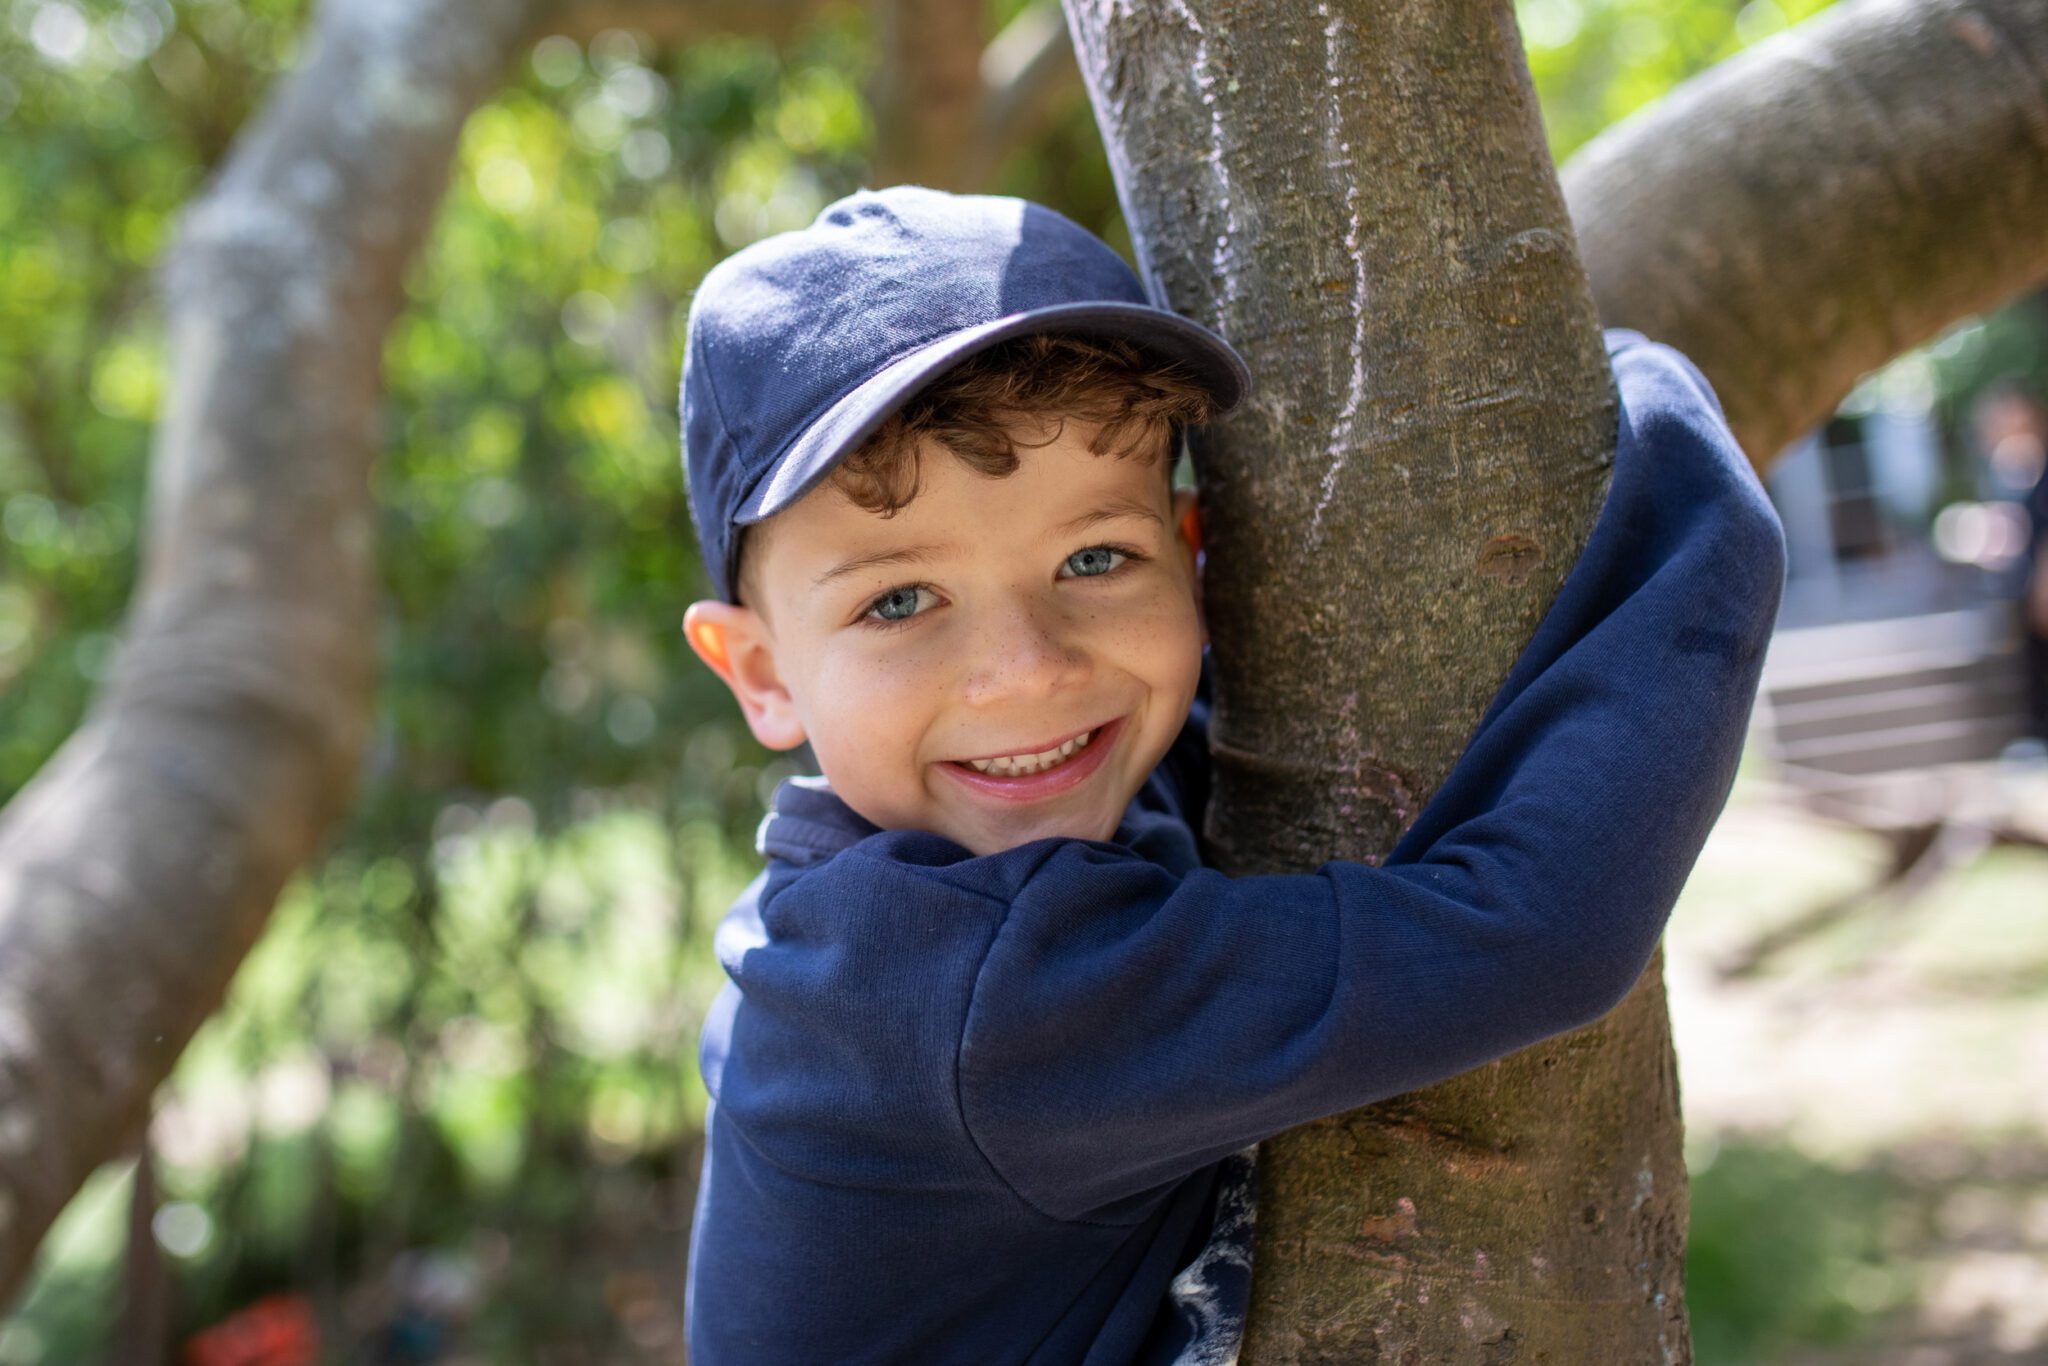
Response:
column 1148, row 636
column 1162, row 648
column 875, row 704
column 907, row 675
column 863, row 664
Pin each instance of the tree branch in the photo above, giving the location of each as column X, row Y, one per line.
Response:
column 137, row 867
column 1804, row 212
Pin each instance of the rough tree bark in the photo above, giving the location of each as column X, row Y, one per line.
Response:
column 137, row 868
column 1388, row 518
column 140, row 863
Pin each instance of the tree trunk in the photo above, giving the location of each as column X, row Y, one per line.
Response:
column 136, row 869
column 1807, row 210
column 140, row 863
column 1388, row 518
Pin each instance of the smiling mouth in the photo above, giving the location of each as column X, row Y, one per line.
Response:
column 1043, row 774
column 1024, row 765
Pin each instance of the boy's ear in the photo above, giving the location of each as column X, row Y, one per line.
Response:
column 1187, row 517
column 1187, row 514
column 736, row 645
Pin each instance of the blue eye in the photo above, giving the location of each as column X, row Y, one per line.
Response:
column 1094, row 562
column 898, row 604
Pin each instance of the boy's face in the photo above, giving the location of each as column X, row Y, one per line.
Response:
column 989, row 617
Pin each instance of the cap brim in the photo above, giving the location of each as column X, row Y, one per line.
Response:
column 851, row 420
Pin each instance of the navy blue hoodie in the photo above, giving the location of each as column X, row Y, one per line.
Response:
column 991, row 1108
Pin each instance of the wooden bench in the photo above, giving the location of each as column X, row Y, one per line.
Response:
column 1903, row 727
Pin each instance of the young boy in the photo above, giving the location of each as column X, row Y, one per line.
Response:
column 995, row 1039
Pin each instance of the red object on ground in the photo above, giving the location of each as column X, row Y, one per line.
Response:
column 275, row 1331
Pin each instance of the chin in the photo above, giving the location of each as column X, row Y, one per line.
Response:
column 989, row 842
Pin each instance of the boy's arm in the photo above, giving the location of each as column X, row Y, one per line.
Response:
column 1129, row 1025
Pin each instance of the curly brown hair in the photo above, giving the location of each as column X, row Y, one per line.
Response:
column 983, row 408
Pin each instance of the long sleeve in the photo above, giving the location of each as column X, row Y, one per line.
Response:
column 1130, row 1023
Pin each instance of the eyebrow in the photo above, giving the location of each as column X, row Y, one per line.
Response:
column 910, row 554
column 1112, row 511
column 1109, row 512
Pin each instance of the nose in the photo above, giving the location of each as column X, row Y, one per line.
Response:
column 1026, row 649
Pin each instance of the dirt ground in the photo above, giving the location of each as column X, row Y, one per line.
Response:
column 1880, row 1086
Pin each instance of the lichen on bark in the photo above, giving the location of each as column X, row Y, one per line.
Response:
column 1360, row 198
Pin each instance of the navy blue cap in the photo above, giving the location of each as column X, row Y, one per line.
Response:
column 802, row 344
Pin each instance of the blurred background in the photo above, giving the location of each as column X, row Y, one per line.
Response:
column 450, row 1112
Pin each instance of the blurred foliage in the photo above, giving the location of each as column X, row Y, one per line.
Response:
column 1784, row 1252
column 1597, row 61
column 463, row 1056
column 480, row 1007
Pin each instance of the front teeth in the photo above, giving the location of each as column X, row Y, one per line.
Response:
column 1019, row 765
